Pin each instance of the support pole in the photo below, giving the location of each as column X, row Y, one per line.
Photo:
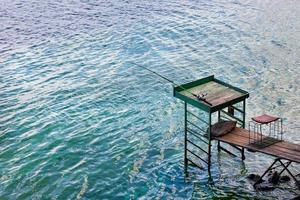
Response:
column 219, row 119
column 244, row 113
column 285, row 168
column 261, row 177
column 244, row 125
column 209, row 143
column 185, row 139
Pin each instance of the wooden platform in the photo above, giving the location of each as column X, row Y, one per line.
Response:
column 284, row 150
column 216, row 93
column 219, row 94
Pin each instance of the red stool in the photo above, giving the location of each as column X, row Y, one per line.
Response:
column 274, row 123
column 264, row 119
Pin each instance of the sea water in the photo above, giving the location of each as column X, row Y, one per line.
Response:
column 79, row 121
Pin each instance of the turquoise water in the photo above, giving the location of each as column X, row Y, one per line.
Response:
column 78, row 121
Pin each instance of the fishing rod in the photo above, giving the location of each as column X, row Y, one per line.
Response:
column 200, row 97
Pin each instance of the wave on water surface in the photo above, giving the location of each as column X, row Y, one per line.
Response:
column 78, row 121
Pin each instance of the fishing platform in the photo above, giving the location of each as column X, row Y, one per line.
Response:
column 222, row 101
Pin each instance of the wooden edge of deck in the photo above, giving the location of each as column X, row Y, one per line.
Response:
column 283, row 149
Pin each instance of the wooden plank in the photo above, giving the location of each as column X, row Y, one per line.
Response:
column 284, row 154
column 210, row 88
column 232, row 87
column 224, row 97
column 276, row 147
column 229, row 103
column 216, row 93
column 220, row 94
column 284, row 144
column 284, row 150
column 214, row 98
column 243, row 142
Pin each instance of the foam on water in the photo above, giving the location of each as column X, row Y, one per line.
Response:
column 77, row 120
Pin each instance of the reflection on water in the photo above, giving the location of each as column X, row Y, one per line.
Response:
column 78, row 121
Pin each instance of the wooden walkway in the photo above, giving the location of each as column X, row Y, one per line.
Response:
column 283, row 150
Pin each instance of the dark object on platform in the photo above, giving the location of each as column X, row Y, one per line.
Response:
column 230, row 110
column 222, row 128
column 201, row 97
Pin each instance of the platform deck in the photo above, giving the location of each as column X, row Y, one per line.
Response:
column 283, row 149
column 219, row 94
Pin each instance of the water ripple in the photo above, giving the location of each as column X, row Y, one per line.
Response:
column 78, row 121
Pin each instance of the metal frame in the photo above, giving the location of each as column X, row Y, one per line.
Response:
column 188, row 131
column 285, row 168
column 256, row 128
column 196, row 130
column 197, row 134
column 192, row 129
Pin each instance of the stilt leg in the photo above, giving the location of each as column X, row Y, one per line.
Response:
column 219, row 119
column 261, row 177
column 284, row 167
column 185, row 139
column 243, row 154
column 288, row 171
column 209, row 144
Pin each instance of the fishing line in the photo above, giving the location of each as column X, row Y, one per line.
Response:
column 200, row 97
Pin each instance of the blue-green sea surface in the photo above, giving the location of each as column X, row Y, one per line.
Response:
column 79, row 121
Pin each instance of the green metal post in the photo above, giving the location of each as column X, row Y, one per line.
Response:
column 209, row 143
column 219, row 119
column 244, row 114
column 185, row 138
column 244, row 124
